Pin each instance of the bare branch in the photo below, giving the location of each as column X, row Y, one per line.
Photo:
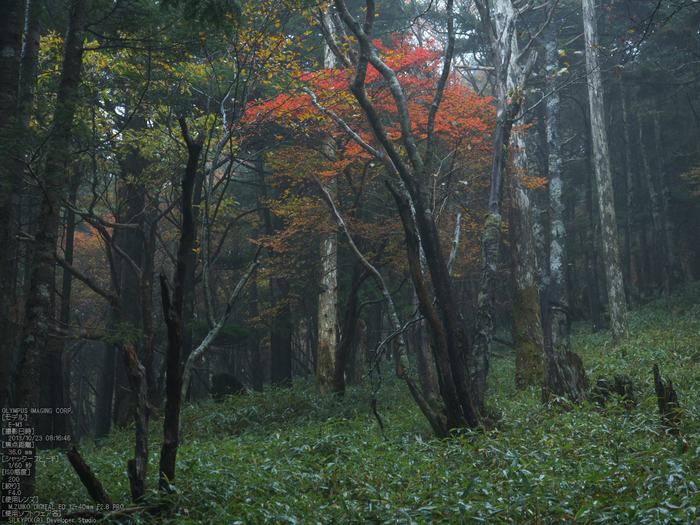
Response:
column 214, row 332
column 530, row 42
column 88, row 281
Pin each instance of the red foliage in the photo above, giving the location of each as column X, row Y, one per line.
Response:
column 311, row 141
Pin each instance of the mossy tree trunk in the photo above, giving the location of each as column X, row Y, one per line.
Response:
column 528, row 337
column 327, row 380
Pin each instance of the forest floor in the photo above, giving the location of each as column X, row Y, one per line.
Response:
column 290, row 456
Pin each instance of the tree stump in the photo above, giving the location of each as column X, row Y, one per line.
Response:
column 600, row 394
column 625, row 389
column 622, row 386
column 667, row 400
column 565, row 378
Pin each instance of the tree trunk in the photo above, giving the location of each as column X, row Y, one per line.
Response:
column 11, row 31
column 673, row 261
column 359, row 358
column 15, row 85
column 281, row 334
column 173, row 312
column 660, row 255
column 256, row 369
column 192, row 263
column 105, row 392
column 425, row 360
column 528, row 336
column 30, row 61
column 52, row 396
column 558, row 315
column 632, row 233
column 53, row 389
column 38, row 306
column 350, row 319
column 590, row 256
column 328, row 380
column 606, row 201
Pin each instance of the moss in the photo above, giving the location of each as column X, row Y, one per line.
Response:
column 492, row 224
column 529, row 345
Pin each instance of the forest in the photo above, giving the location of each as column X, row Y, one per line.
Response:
column 386, row 261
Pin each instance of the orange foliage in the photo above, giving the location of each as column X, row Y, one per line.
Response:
column 311, row 142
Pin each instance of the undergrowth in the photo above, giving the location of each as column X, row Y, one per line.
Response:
column 291, row 456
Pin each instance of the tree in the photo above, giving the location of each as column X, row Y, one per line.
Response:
column 409, row 168
column 528, row 337
column 38, row 307
column 606, row 202
column 11, row 31
column 330, row 373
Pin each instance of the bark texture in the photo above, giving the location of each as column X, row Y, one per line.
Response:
column 327, row 380
column 606, row 201
column 557, row 303
column 528, row 336
column 565, row 375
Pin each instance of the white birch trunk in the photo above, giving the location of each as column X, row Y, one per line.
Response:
column 326, row 377
column 606, row 202
column 327, row 312
column 557, row 304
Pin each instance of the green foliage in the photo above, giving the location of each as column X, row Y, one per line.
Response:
column 201, row 13
column 123, row 332
column 290, row 456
